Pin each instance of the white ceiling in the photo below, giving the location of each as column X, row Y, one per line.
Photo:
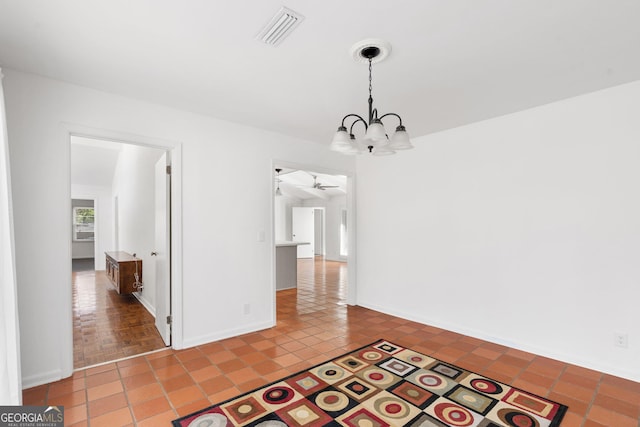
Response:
column 93, row 162
column 453, row 61
column 300, row 184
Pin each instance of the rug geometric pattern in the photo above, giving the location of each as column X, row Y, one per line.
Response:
column 382, row 384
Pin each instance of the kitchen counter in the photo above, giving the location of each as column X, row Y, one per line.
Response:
column 287, row 264
column 283, row 243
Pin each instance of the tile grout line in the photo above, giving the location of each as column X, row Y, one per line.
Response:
column 593, row 398
column 86, row 400
column 126, row 395
column 197, row 383
column 555, row 382
column 159, row 382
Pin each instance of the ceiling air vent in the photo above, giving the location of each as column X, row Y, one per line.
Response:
column 280, row 26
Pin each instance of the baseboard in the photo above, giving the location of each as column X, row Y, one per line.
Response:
column 39, row 379
column 145, row 303
column 563, row 357
column 229, row 333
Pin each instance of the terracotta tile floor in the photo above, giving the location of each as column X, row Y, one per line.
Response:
column 314, row 324
column 108, row 326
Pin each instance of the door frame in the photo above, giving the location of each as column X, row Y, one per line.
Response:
column 352, row 284
column 323, row 230
column 162, row 248
column 175, row 149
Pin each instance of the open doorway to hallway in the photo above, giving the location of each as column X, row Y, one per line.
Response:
column 107, row 326
column 117, row 296
column 310, row 232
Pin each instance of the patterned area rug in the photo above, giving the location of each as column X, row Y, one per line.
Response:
column 382, row 384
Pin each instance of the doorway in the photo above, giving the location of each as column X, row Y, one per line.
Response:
column 111, row 322
column 309, row 207
column 307, row 225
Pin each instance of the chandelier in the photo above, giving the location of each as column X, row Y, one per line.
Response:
column 375, row 139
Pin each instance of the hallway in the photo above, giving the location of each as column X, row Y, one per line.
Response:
column 108, row 326
column 314, row 325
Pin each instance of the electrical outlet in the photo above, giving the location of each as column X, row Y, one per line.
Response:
column 621, row 340
column 246, row 309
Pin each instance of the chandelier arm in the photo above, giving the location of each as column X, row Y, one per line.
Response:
column 359, row 119
column 392, row 114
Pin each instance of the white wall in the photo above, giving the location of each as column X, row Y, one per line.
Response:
column 524, row 230
column 332, row 219
column 219, row 240
column 134, row 185
column 104, row 219
column 82, row 250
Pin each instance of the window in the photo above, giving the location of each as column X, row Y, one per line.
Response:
column 83, row 224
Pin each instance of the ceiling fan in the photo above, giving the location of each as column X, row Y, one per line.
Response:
column 319, row 186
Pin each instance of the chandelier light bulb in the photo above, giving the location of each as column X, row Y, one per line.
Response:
column 376, row 133
column 341, row 140
column 400, row 140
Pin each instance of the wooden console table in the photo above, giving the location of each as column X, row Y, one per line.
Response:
column 121, row 267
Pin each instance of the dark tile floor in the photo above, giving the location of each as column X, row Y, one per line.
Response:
column 82, row 264
column 314, row 325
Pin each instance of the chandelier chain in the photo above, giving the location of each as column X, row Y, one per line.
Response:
column 370, row 85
